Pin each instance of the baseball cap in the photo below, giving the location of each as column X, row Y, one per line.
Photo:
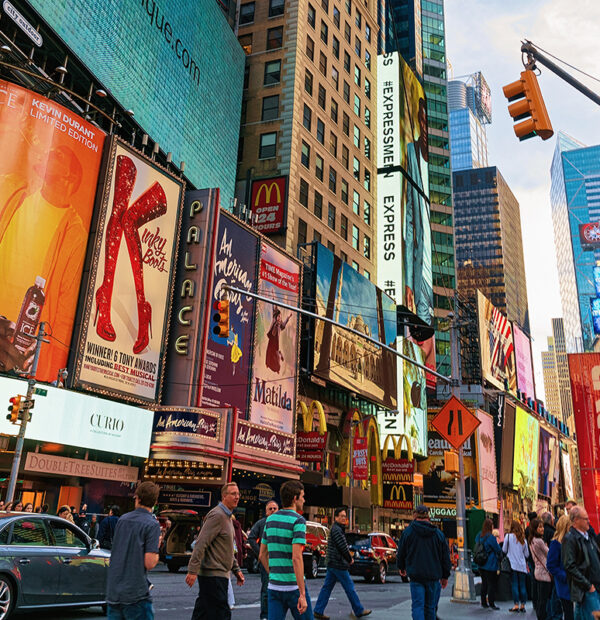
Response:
column 422, row 510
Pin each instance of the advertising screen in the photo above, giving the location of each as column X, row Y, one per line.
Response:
column 343, row 357
column 525, row 463
column 488, row 480
column 524, row 362
column 568, row 474
column 496, row 343
column 123, row 333
column 48, row 177
column 169, row 62
column 228, row 360
column 544, row 462
column 275, row 362
column 584, row 370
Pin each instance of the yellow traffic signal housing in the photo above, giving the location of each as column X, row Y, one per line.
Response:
column 451, row 462
column 530, row 106
column 221, row 318
column 14, row 409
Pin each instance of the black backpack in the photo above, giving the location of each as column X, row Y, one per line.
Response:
column 480, row 555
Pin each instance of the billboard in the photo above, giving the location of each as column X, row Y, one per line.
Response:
column 347, row 297
column 397, row 479
column 414, row 397
column 496, row 344
column 125, row 321
column 275, row 359
column 545, row 474
column 48, row 177
column 568, row 476
column 192, row 300
column 268, row 201
column 488, row 480
column 228, row 360
column 584, row 370
column 164, row 61
column 525, row 463
column 523, row 361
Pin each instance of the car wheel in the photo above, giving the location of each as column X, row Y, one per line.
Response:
column 382, row 573
column 6, row 597
column 313, row 569
column 173, row 568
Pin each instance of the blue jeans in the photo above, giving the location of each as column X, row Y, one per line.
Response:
column 280, row 602
column 343, row 576
column 590, row 603
column 425, row 597
column 519, row 587
column 142, row 610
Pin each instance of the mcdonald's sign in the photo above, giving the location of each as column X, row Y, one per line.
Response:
column 268, row 203
column 398, row 496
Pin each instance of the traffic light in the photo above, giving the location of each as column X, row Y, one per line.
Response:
column 221, row 318
column 14, row 408
column 530, row 106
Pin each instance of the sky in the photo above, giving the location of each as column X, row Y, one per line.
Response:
column 485, row 35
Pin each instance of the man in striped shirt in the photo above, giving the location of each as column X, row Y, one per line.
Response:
column 283, row 541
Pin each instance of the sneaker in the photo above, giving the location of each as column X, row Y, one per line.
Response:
column 319, row 616
column 494, row 606
column 365, row 612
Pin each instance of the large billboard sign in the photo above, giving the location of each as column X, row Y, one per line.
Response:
column 524, row 362
column 487, row 462
column 124, row 329
column 347, row 297
column 496, row 344
column 584, row 370
column 525, row 463
column 275, row 360
column 268, row 200
column 48, row 177
column 545, row 472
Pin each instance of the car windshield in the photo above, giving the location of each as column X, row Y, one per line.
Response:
column 358, row 540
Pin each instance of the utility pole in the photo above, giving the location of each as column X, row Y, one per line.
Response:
column 464, row 583
column 14, row 473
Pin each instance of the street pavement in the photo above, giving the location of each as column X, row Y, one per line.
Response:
column 173, row 600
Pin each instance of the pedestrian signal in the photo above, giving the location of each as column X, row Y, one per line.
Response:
column 529, row 106
column 221, row 318
column 14, row 409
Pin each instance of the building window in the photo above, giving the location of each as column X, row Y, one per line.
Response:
column 331, row 216
column 355, row 202
column 318, row 206
column 308, row 82
column 332, row 180
column 367, row 117
column 349, row 7
column 357, row 46
column 321, row 96
column 358, row 20
column 333, row 143
column 346, row 92
column 347, row 32
column 344, row 191
column 367, row 181
column 357, row 105
column 368, row 59
column 331, row 247
column 276, row 7
column 311, row 15
column 367, row 148
column 334, row 111
column 268, row 145
column 356, row 169
column 357, row 75
column 303, row 197
column 336, row 17
column 310, row 48
column 272, row 72
column 345, row 157
column 246, row 76
column 246, row 13
column 366, row 247
column 324, row 32
column 323, row 64
column 355, row 237
column 246, row 43
column 305, row 157
column 368, row 33
column 270, row 108
column 307, row 117
column 355, row 266
column 344, row 256
column 346, row 124
column 319, row 167
column 346, row 62
column 367, row 89
column 335, row 77
column 344, row 227
column 275, row 38
column 336, row 47
column 325, row 5
column 367, row 274
column 320, row 131
column 356, row 136
column 316, row 236
column 367, row 213
column 302, row 232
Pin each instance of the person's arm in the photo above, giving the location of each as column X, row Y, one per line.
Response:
column 298, row 563
column 209, row 531
column 151, row 542
column 569, row 560
column 505, row 544
column 340, row 543
column 263, row 556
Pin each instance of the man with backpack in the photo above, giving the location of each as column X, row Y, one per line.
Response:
column 106, row 531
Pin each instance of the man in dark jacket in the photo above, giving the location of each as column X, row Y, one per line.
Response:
column 254, row 538
column 581, row 559
column 107, row 528
column 424, row 556
column 549, row 529
column 338, row 563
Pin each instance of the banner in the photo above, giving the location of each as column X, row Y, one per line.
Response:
column 124, row 329
column 360, row 465
column 228, row 360
column 524, row 362
column 310, row 446
column 269, row 203
column 414, row 397
column 192, row 301
column 525, row 463
column 275, row 361
column 48, row 177
column 488, row 479
column 544, row 460
column 568, row 475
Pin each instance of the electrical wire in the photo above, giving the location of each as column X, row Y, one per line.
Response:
column 564, row 62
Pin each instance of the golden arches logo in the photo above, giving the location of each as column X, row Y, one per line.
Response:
column 308, row 416
column 397, row 446
column 268, row 189
column 396, row 491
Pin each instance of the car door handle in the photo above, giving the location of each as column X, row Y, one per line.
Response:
column 24, row 561
column 67, row 561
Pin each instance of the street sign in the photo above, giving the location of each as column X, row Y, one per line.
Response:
column 455, row 422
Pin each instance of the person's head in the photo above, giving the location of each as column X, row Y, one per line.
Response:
column 531, row 516
column 114, row 511
column 93, row 519
column 536, row 529
column 487, row 527
column 18, row 506
column 64, row 512
column 340, row 515
column 45, row 508
column 496, row 534
column 421, row 513
column 1, row 504
column 8, row 506
column 83, row 507
column 579, row 518
column 569, row 504
column 62, row 176
column 38, row 509
column 230, row 495
column 547, row 518
column 271, row 507
column 517, row 529
column 292, row 495
column 146, row 495
column 562, row 527
column 72, row 509
column 28, row 507
column 277, row 315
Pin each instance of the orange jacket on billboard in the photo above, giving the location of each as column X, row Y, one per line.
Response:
column 48, row 177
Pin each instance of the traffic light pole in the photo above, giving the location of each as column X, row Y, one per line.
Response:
column 14, row 473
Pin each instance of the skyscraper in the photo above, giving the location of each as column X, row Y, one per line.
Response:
column 489, row 244
column 415, row 28
column 575, row 199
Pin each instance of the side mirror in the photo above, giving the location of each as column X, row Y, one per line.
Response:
column 94, row 544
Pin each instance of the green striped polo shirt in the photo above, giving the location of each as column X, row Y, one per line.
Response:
column 283, row 529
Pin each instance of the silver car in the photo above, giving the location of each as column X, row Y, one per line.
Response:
column 46, row 561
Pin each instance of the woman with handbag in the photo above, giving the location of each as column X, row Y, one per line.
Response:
column 557, row 570
column 516, row 549
column 543, row 580
column 489, row 569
